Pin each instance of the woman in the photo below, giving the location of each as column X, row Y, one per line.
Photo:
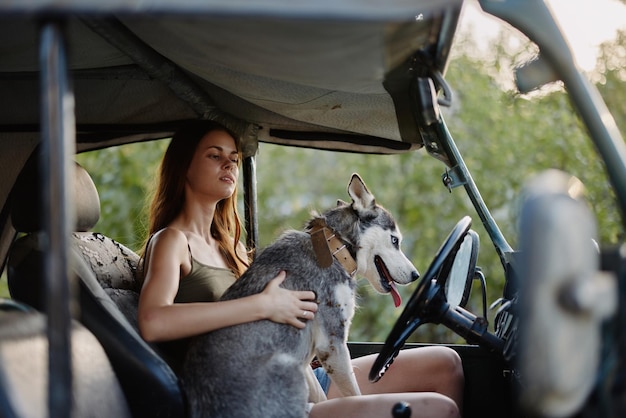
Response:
column 194, row 253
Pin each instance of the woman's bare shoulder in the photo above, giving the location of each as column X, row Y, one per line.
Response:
column 169, row 232
column 168, row 247
column 169, row 237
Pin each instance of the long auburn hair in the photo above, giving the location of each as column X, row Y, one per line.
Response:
column 169, row 195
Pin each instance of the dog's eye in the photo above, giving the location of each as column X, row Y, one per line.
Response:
column 395, row 241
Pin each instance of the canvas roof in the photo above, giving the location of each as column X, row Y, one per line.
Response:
column 300, row 73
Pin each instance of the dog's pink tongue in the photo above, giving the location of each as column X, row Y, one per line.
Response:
column 397, row 300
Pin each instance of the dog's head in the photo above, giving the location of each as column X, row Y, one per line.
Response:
column 376, row 240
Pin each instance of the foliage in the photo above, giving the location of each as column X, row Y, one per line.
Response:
column 505, row 138
column 124, row 175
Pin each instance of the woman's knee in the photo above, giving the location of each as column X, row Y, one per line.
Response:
column 452, row 377
column 442, row 359
column 440, row 369
column 452, row 363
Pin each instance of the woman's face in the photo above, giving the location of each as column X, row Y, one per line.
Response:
column 214, row 168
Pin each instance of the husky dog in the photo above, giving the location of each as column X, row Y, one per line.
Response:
column 258, row 369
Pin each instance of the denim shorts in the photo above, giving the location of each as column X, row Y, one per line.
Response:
column 323, row 378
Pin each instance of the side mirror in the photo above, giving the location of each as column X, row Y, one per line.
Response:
column 564, row 297
column 458, row 283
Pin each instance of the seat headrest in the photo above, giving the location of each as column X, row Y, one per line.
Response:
column 26, row 199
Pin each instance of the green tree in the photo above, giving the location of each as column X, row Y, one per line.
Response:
column 505, row 138
column 124, row 176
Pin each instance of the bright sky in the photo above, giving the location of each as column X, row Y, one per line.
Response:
column 586, row 24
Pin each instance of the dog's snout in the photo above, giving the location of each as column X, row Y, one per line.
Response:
column 415, row 275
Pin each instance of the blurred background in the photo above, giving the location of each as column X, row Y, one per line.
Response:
column 504, row 137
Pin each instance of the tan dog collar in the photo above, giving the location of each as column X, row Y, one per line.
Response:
column 327, row 245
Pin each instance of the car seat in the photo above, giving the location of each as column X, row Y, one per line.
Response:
column 24, row 372
column 107, row 292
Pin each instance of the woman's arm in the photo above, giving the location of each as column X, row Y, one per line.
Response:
column 160, row 319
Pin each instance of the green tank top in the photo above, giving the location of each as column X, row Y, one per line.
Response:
column 204, row 283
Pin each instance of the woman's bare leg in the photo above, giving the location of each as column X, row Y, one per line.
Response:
column 425, row 369
column 423, row 405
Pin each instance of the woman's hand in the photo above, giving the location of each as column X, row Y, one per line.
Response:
column 288, row 306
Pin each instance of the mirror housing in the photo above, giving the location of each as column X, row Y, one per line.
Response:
column 562, row 282
column 458, row 284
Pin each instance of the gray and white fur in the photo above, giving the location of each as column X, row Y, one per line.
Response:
column 257, row 369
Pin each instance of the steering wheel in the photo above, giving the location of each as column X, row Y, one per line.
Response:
column 417, row 310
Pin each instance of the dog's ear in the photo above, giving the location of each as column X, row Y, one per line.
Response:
column 362, row 199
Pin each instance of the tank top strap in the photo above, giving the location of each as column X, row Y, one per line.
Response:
column 190, row 255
